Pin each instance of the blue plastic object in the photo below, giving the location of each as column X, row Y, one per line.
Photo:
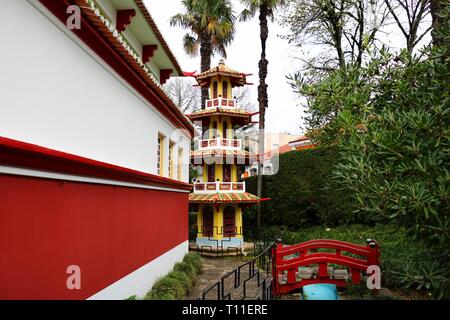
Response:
column 320, row 291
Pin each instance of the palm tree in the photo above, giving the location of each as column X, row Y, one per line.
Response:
column 266, row 9
column 211, row 27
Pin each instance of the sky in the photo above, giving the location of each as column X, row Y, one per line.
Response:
column 286, row 109
column 284, row 112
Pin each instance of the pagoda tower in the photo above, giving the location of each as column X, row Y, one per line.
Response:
column 219, row 196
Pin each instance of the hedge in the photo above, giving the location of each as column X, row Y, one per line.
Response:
column 179, row 282
column 302, row 192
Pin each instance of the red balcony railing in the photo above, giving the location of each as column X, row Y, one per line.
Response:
column 221, row 103
column 220, row 143
column 213, row 187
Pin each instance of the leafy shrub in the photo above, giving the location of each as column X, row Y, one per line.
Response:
column 186, row 268
column 183, row 278
column 302, row 192
column 389, row 120
column 179, row 282
column 167, row 288
column 195, row 260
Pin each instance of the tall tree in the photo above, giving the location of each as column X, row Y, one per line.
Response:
column 211, row 27
column 266, row 9
column 342, row 29
column 439, row 13
column 415, row 11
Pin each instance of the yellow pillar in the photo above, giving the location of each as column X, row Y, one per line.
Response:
column 218, row 222
column 226, row 120
column 234, row 173
column 219, row 132
column 219, row 172
column 205, row 173
column 200, row 221
column 239, row 221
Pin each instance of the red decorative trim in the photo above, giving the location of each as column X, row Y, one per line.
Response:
column 148, row 51
column 189, row 74
column 124, row 18
column 20, row 154
column 158, row 34
column 165, row 75
column 111, row 55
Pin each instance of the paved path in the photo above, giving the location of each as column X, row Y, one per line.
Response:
column 213, row 270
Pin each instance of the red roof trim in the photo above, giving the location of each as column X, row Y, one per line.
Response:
column 304, row 138
column 25, row 155
column 158, row 34
column 97, row 42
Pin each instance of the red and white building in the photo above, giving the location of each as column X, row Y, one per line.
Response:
column 302, row 143
column 94, row 156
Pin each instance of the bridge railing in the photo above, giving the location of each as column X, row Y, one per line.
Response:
column 288, row 260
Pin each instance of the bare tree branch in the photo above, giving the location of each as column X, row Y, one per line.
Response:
column 184, row 94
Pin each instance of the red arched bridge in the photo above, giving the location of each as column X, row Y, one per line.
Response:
column 321, row 261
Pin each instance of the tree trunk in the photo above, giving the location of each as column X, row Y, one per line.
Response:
column 205, row 64
column 435, row 8
column 262, row 99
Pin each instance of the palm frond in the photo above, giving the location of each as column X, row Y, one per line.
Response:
column 185, row 21
column 247, row 14
column 191, row 44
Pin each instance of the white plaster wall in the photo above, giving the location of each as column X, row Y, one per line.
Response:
column 56, row 93
column 140, row 281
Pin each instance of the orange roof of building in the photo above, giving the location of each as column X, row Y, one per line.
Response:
column 283, row 149
column 237, row 78
column 244, row 197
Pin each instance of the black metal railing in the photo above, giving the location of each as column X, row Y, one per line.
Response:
column 256, row 273
column 218, row 248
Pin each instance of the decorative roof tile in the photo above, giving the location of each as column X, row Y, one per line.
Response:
column 223, row 198
column 238, row 112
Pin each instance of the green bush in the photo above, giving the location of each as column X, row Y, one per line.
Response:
column 179, row 282
column 183, row 278
column 167, row 288
column 194, row 260
column 302, row 193
column 389, row 120
column 186, row 268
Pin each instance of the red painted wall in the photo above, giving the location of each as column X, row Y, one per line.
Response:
column 109, row 231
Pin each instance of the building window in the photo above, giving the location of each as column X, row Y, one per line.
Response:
column 160, row 160
column 171, row 165
column 225, row 89
column 225, row 130
column 215, row 89
column 180, row 164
